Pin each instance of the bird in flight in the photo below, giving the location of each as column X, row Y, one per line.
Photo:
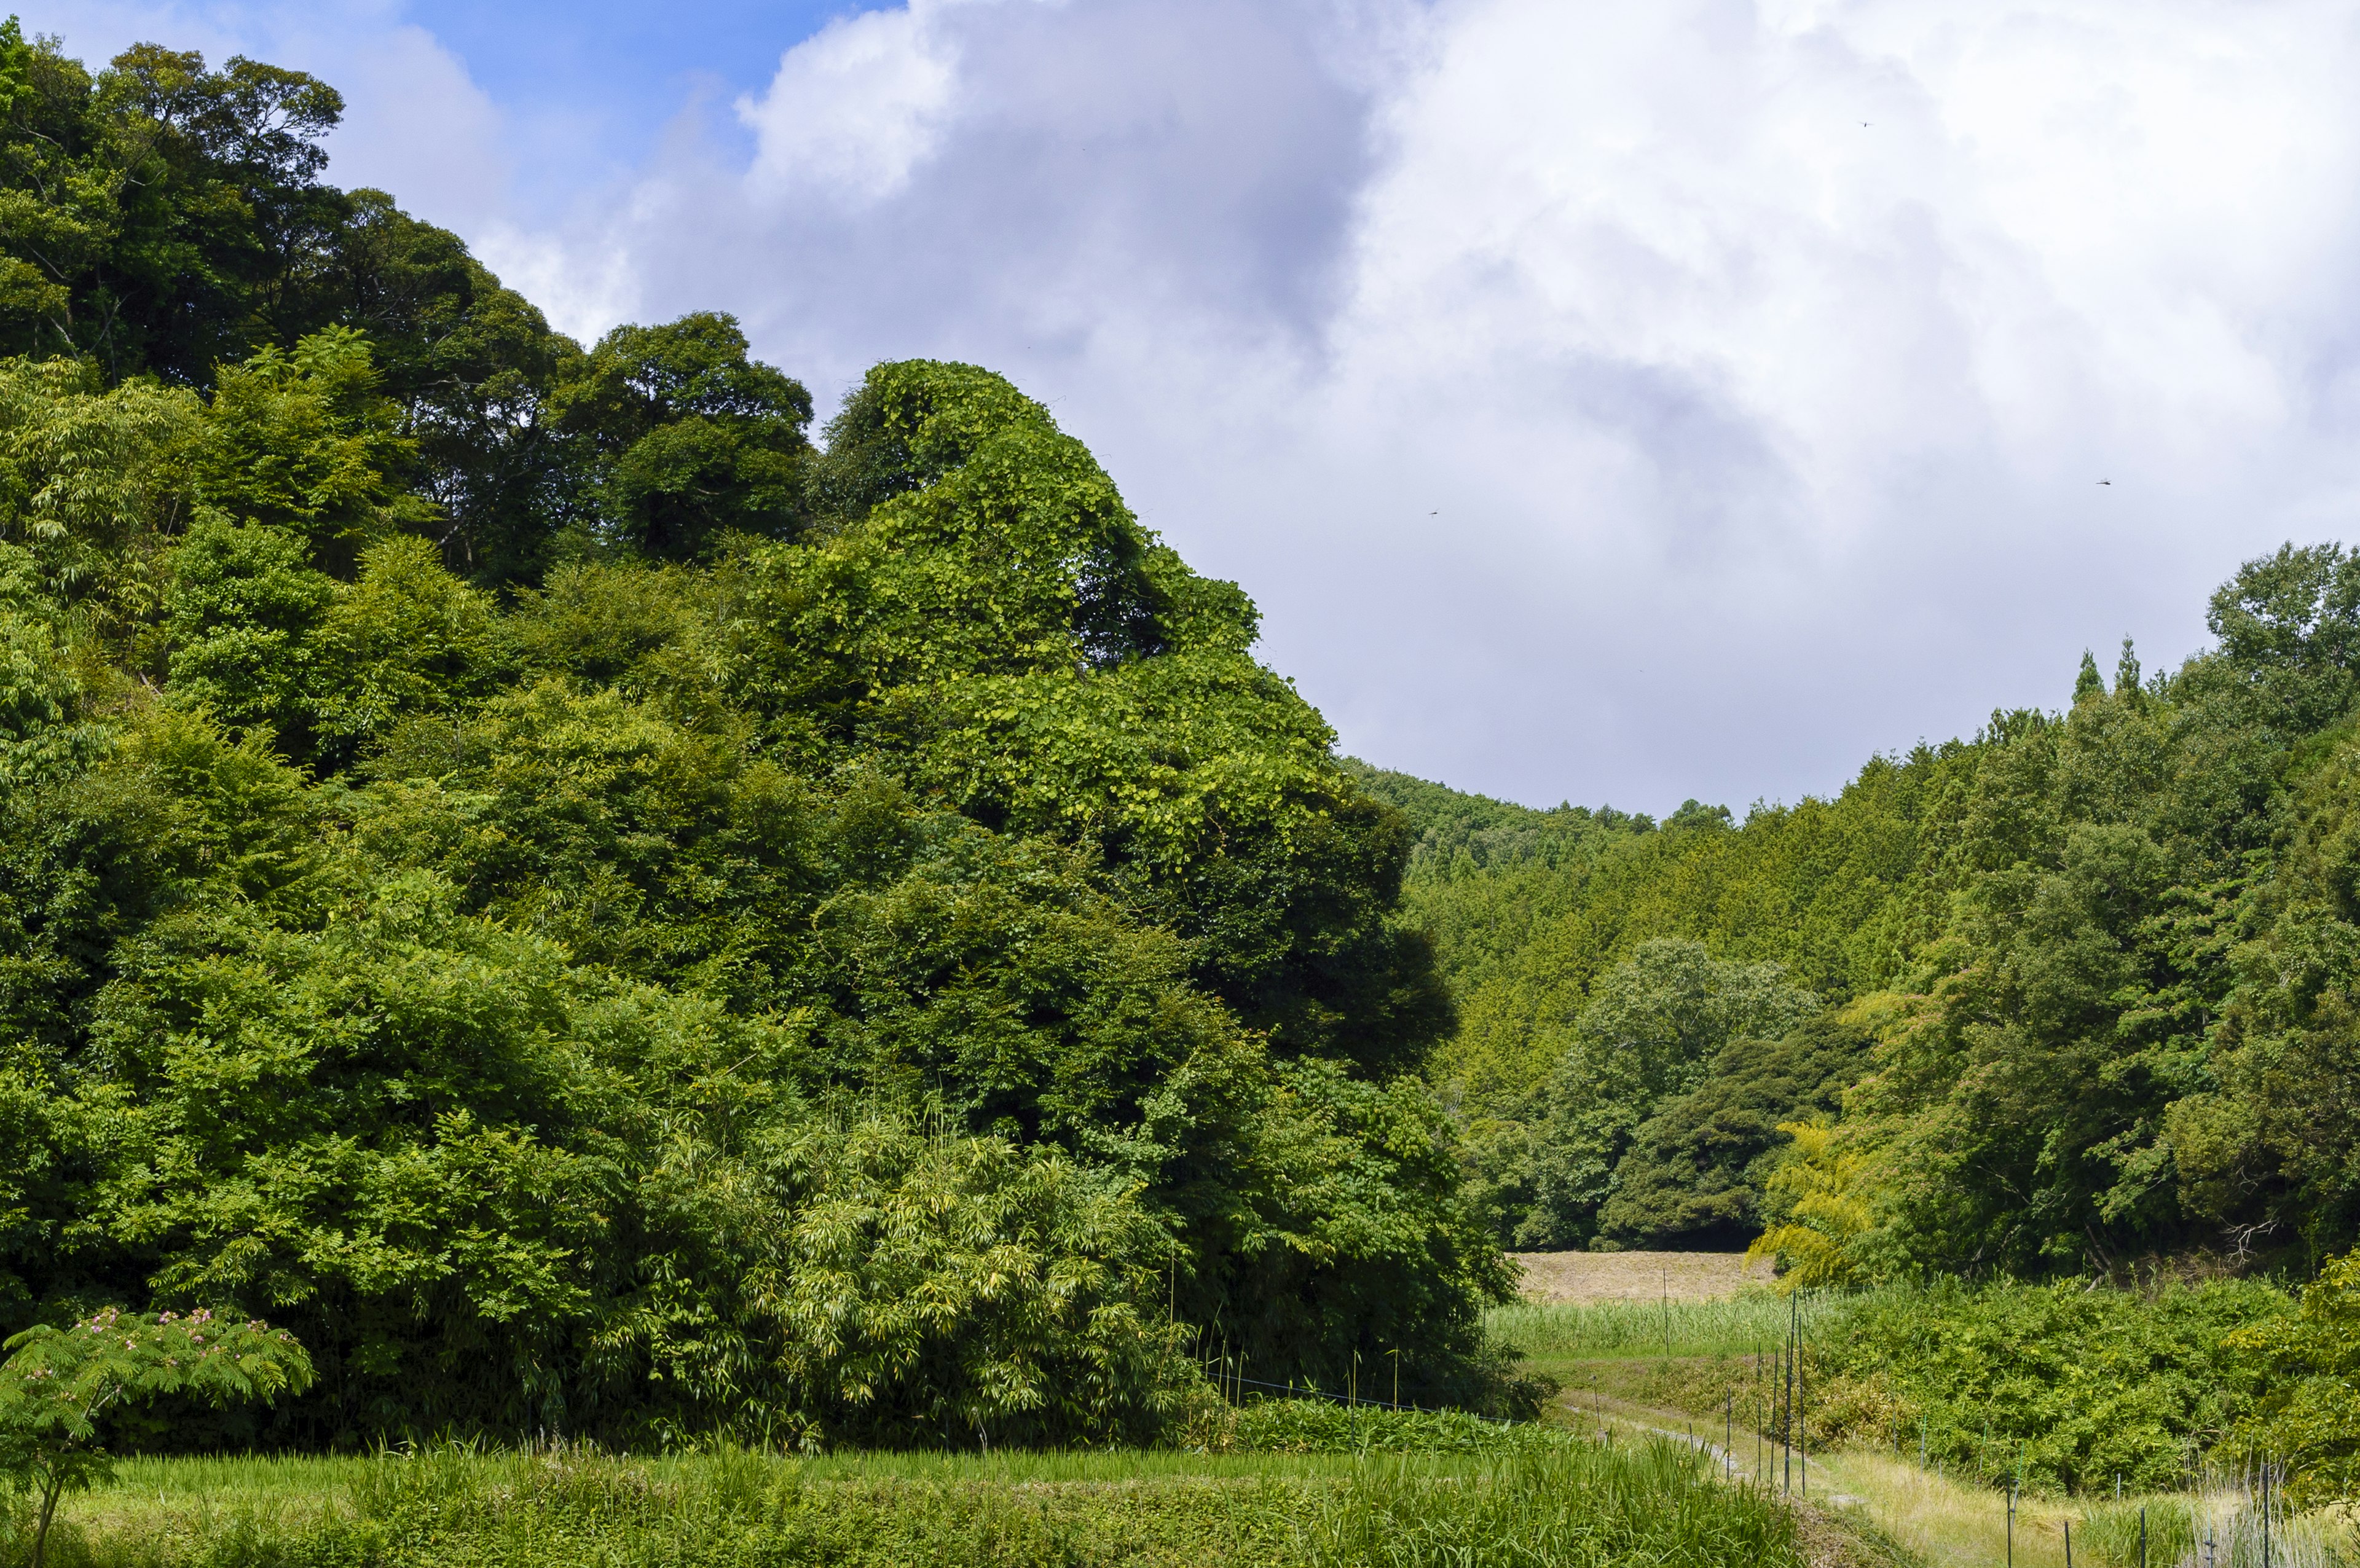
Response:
column 2105, row 482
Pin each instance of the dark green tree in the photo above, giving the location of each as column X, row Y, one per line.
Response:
column 1694, row 1173
column 474, row 367
column 685, row 438
column 160, row 216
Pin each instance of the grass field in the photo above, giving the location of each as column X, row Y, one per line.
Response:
column 1534, row 1503
column 1553, row 1333
column 1582, row 1277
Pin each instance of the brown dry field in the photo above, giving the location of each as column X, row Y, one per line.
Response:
column 1636, row 1276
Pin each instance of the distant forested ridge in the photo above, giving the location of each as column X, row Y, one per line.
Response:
column 2075, row 991
column 609, row 917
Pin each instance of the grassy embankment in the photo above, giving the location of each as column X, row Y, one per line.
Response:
column 1697, row 1370
column 1529, row 1498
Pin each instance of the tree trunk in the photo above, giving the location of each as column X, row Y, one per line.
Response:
column 53, row 1486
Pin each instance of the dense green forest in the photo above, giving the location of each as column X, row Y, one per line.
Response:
column 2075, row 992
column 606, row 916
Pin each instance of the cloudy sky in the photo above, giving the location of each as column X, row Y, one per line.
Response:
column 1603, row 401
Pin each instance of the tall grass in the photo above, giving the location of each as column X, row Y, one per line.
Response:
column 1553, row 1501
column 1319, row 1426
column 1572, row 1504
column 2223, row 1525
column 1734, row 1325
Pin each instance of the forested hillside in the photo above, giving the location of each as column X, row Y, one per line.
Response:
column 2077, row 990
column 606, row 916
column 607, row 912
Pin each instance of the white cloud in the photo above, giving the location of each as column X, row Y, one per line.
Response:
column 856, row 106
column 415, row 124
column 1595, row 404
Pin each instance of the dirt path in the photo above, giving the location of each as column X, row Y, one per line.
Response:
column 1936, row 1521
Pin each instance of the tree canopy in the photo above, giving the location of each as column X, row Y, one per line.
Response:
column 603, row 915
column 2079, row 983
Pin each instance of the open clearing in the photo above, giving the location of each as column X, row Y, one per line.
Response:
column 1581, row 1277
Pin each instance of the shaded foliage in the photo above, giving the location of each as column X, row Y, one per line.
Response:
column 1696, row 1171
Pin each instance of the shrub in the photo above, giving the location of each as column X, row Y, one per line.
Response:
column 2308, row 1416
column 2062, row 1386
column 59, row 1385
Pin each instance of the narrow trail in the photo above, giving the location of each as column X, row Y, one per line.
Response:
column 1946, row 1525
column 1636, row 1417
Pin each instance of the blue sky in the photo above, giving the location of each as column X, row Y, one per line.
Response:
column 590, row 86
column 1606, row 402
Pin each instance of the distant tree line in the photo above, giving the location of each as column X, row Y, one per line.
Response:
column 2078, row 990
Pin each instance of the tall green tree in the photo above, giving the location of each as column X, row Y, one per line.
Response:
column 157, row 215
column 998, row 621
column 1650, row 1034
column 685, row 438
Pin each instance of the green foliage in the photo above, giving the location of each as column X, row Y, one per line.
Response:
column 2308, row 1415
column 305, row 444
column 2158, row 1529
column 243, row 612
column 1651, row 1032
column 46, row 673
column 1824, row 888
column 2128, row 992
column 1088, row 1509
column 686, row 437
column 1001, row 626
column 1697, row 1172
column 161, row 219
column 2105, row 960
column 2087, row 683
column 842, row 945
column 927, row 1290
column 1332, row 1426
column 89, row 478
column 1460, row 834
column 1819, row 1193
column 475, row 369
column 58, row 1385
column 156, row 214
column 1573, row 1502
column 2059, row 1386
column 1736, row 1326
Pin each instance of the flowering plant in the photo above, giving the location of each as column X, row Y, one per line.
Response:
column 57, row 1383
